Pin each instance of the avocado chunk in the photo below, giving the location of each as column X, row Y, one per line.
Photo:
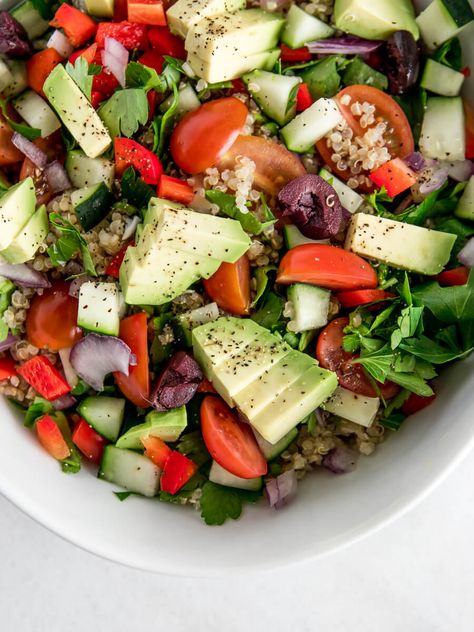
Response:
column 17, row 205
column 376, row 19
column 400, row 245
column 232, row 67
column 100, row 8
column 184, row 14
column 29, row 239
column 352, row 406
column 167, row 426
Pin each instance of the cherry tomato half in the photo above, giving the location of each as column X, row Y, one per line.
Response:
column 456, row 276
column 229, row 287
column 52, row 318
column 415, row 403
column 353, row 298
column 230, row 442
column 204, row 135
column 331, row 355
column 9, row 154
column 136, row 385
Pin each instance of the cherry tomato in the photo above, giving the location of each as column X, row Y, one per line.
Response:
column 229, row 287
column 136, row 385
column 51, row 321
column 327, row 266
column 130, row 153
column 230, row 442
column 204, row 135
column 331, row 355
column 9, row 154
column 275, row 165
column 457, row 276
column 415, row 403
column 89, row 442
column 398, row 138
column 353, row 298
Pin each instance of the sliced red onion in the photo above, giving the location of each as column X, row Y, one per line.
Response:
column 76, row 284
column 133, row 359
column 273, row 5
column 64, row 402
column 466, row 256
column 130, row 227
column 115, row 58
column 415, row 161
column 432, row 179
column 340, row 460
column 95, row 356
column 8, row 342
column 31, row 151
column 344, row 45
column 69, row 373
column 115, row 48
column 23, row 276
column 56, row 177
column 60, row 42
column 280, row 489
column 459, row 170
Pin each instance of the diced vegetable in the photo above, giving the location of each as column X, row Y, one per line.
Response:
column 44, row 377
column 177, row 471
column 78, row 26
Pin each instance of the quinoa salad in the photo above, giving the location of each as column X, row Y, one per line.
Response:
column 236, row 238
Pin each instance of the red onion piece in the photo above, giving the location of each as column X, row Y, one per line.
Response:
column 466, row 256
column 115, row 58
column 340, row 460
column 432, row 179
column 280, row 489
column 31, row 151
column 130, row 227
column 95, row 356
column 56, row 177
column 8, row 342
column 23, row 276
column 415, row 161
column 115, row 48
column 64, row 402
column 69, row 373
column 60, row 42
column 344, row 45
column 459, row 170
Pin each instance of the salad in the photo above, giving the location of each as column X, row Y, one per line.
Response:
column 236, row 238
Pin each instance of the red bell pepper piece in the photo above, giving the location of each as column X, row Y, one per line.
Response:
column 156, row 450
column 39, row 66
column 120, row 10
column 415, row 403
column 147, row 12
column 457, row 276
column 303, row 98
column 88, row 53
column 175, row 189
column 7, row 368
column 294, row 54
column 164, row 42
column 469, row 125
column 44, row 377
column 89, row 442
column 354, row 298
column 152, row 59
column 152, row 98
column 177, row 472
column 113, row 268
column 105, row 83
column 205, row 387
column 129, row 35
column 51, row 438
column 129, row 153
column 395, row 176
column 97, row 98
column 78, row 26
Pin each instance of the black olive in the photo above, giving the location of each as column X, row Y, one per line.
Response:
column 14, row 41
column 177, row 383
column 401, row 58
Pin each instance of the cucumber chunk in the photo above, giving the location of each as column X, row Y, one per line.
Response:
column 443, row 132
column 310, row 306
column 104, row 414
column 442, row 20
column 301, row 27
column 311, row 125
column 30, row 19
column 465, row 207
column 130, row 470
column 99, row 307
column 271, row 450
column 221, row 476
column 84, row 171
column 441, row 79
column 349, row 198
column 91, row 204
column 275, row 94
column 37, row 113
column 294, row 237
column 19, row 81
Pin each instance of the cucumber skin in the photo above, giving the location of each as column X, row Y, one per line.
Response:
column 94, row 208
column 142, row 477
column 460, row 11
column 112, row 433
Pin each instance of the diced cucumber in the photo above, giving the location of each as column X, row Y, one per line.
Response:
column 352, row 406
column 19, row 81
column 294, row 237
column 442, row 132
column 465, row 207
column 301, row 27
column 271, row 450
column 130, row 470
column 99, row 307
column 6, row 77
column 187, row 101
column 37, row 113
column 310, row 307
column 311, row 125
column 275, row 94
column 442, row 20
column 194, row 318
column 349, row 198
column 441, row 79
column 221, row 476
column 167, row 426
column 30, row 19
column 91, row 204
column 84, row 171
column 104, row 414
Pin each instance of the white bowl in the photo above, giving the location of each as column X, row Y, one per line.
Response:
column 329, row 511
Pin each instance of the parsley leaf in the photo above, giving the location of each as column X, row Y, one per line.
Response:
column 37, row 409
column 269, row 313
column 141, row 76
column 219, row 503
column 431, row 351
column 134, row 190
column 25, row 130
column 448, row 304
column 163, row 124
column 262, row 279
column 68, row 244
column 450, row 54
column 125, row 111
column 249, row 222
column 192, row 445
column 82, row 74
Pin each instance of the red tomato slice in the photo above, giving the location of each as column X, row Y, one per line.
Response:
column 229, row 287
column 415, row 403
column 204, row 135
column 130, row 153
column 353, row 298
column 154, row 60
column 175, row 189
column 230, row 442
column 294, row 54
column 51, row 321
column 51, row 438
column 136, row 385
column 327, row 266
column 206, row 387
column 156, row 450
column 457, row 276
column 7, row 368
column 9, row 154
column 331, row 355
column 275, row 165
column 89, row 442
column 303, row 98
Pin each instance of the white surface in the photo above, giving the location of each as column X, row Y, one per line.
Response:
column 416, row 575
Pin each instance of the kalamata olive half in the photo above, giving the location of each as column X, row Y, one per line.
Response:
column 401, row 59
column 177, row 383
column 14, row 41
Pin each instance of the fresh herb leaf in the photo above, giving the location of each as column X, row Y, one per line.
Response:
column 141, row 76
column 70, row 242
column 219, row 503
column 192, row 445
column 409, row 323
column 413, row 104
column 431, row 351
column 124, row 495
column 450, row 54
column 83, row 74
column 375, row 200
column 72, row 464
column 411, row 381
column 46, row 8
column 6, row 290
column 305, row 338
column 165, row 123
column 359, row 73
column 269, row 313
column 37, row 409
column 134, row 190
column 125, row 111
column 80, row 389
column 249, row 222
column 25, row 130
column 448, row 304
column 221, row 85
column 311, row 421
column 394, row 421
column 322, row 77
column 262, row 278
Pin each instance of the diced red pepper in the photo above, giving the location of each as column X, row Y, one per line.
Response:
column 206, row 387
column 165, row 43
column 152, row 59
column 156, row 450
column 303, row 98
column 457, row 276
column 175, row 189
column 44, row 377
column 395, row 176
column 113, row 268
column 120, row 10
column 105, row 83
column 177, row 472
column 147, row 12
column 88, row 53
column 130, row 35
column 294, row 54
column 39, row 66
column 466, row 71
column 152, row 98
column 7, row 368
column 51, row 438
column 89, row 442
column 78, row 26
column 97, row 98
column 415, row 403
column 129, row 153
